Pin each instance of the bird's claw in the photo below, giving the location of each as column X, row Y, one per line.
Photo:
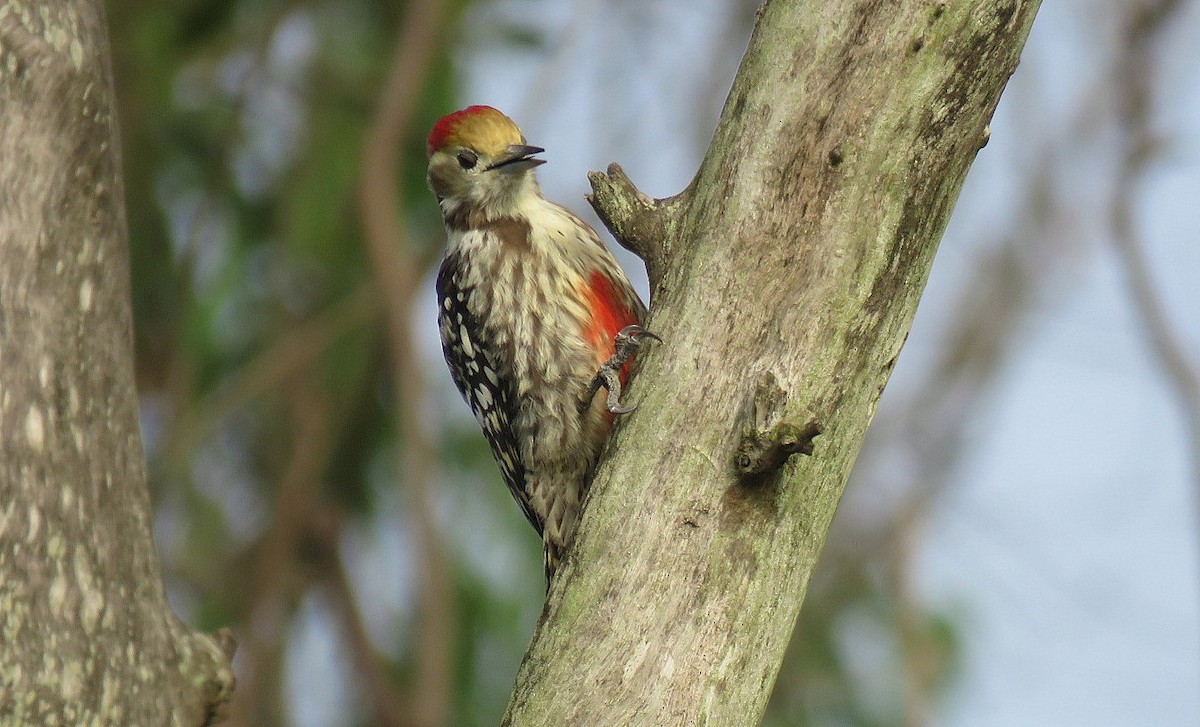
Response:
column 614, row 406
column 632, row 335
column 626, row 343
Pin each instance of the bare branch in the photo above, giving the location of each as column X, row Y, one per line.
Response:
column 275, row 581
column 1147, row 22
column 641, row 224
column 1134, row 71
column 390, row 710
column 398, row 274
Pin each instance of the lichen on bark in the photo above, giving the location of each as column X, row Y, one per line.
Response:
column 88, row 636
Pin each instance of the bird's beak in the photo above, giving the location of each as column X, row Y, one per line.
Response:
column 517, row 158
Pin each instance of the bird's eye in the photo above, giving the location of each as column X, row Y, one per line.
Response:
column 467, row 159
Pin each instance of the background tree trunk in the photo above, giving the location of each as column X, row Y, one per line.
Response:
column 86, row 636
column 783, row 282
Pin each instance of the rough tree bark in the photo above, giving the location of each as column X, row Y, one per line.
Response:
column 784, row 280
column 86, row 636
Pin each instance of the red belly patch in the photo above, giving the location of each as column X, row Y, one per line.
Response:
column 609, row 313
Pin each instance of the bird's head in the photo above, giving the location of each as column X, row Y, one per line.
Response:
column 478, row 159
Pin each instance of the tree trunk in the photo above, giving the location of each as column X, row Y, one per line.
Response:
column 86, row 636
column 783, row 281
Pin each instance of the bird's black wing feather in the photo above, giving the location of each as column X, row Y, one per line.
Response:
column 492, row 399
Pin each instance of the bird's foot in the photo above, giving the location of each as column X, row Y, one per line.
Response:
column 627, row 342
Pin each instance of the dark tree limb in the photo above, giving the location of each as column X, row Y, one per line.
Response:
column 796, row 257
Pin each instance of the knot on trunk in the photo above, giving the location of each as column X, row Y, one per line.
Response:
column 767, row 439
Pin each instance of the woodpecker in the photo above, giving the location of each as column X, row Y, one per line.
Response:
column 535, row 317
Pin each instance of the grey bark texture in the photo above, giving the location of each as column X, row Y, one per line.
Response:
column 86, row 636
column 784, row 281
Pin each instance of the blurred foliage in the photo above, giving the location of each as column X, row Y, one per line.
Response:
column 264, row 375
column 242, row 124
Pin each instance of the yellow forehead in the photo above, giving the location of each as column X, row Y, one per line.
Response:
column 483, row 129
